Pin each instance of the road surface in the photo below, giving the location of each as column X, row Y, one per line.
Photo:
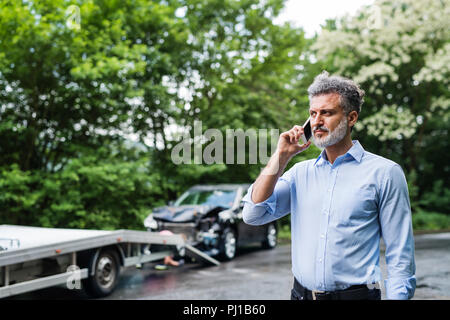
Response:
column 257, row 274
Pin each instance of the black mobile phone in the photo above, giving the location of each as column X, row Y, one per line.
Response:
column 306, row 131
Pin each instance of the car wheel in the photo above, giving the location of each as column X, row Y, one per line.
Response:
column 106, row 274
column 270, row 240
column 228, row 245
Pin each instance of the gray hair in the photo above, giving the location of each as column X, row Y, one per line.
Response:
column 351, row 95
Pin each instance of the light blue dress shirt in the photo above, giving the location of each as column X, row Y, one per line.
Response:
column 339, row 212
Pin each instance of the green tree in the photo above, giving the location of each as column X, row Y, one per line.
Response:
column 399, row 52
column 246, row 76
column 64, row 90
column 72, row 95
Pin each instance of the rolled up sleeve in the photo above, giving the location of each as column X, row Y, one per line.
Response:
column 276, row 206
column 397, row 233
column 400, row 288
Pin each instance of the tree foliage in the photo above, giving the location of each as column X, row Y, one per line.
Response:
column 399, row 53
column 73, row 96
column 91, row 108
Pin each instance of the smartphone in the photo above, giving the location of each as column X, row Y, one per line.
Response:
column 306, row 131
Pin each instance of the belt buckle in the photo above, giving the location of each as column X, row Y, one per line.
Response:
column 314, row 292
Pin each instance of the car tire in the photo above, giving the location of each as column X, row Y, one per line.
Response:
column 270, row 240
column 106, row 274
column 228, row 245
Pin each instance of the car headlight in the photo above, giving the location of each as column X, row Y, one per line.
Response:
column 150, row 223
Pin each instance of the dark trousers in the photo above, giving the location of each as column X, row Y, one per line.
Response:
column 358, row 292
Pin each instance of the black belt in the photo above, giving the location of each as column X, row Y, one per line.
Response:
column 356, row 292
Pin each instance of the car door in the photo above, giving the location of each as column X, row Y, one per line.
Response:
column 246, row 233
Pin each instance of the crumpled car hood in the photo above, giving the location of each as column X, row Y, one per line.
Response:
column 184, row 213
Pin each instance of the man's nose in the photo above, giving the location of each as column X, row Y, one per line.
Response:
column 317, row 121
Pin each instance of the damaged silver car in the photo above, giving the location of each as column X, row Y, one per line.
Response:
column 210, row 217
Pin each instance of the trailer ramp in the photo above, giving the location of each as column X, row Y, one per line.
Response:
column 174, row 239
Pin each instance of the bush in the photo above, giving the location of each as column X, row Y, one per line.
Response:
column 438, row 199
column 424, row 220
column 427, row 210
column 18, row 196
column 87, row 193
column 284, row 229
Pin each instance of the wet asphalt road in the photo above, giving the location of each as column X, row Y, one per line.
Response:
column 256, row 274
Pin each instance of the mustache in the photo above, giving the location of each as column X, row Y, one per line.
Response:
column 320, row 128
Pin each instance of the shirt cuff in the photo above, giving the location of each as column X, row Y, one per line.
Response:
column 269, row 204
column 400, row 288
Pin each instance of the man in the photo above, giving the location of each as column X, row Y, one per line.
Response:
column 340, row 203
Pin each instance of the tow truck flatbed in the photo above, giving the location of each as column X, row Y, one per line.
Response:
column 40, row 257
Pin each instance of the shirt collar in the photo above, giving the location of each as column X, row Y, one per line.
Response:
column 321, row 159
column 356, row 152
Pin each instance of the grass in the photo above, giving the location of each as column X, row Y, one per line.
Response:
column 430, row 221
column 423, row 222
column 284, row 234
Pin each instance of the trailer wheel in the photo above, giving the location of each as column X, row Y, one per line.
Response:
column 106, row 274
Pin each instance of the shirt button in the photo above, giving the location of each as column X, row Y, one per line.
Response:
column 320, row 260
column 322, row 236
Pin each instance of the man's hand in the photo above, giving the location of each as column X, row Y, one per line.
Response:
column 288, row 143
column 287, row 148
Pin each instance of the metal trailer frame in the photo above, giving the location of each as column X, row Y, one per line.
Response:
column 117, row 239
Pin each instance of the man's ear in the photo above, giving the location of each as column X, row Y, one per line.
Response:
column 352, row 118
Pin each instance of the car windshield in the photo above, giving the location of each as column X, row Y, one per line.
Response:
column 222, row 198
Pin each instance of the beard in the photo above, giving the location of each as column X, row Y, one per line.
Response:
column 332, row 137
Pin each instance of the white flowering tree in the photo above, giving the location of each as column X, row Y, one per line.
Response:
column 399, row 52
